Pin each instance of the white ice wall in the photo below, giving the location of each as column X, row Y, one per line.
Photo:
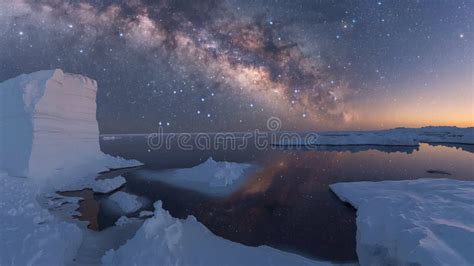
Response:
column 47, row 123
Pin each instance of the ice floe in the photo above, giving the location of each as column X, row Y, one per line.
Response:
column 412, row 222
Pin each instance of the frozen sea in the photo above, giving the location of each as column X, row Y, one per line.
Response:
column 284, row 200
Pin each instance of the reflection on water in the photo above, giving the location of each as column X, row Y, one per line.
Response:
column 287, row 204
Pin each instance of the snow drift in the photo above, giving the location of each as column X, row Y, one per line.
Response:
column 413, row 222
column 48, row 125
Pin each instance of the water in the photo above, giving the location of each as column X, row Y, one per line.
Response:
column 287, row 203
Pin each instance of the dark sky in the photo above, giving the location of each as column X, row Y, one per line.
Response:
column 230, row 65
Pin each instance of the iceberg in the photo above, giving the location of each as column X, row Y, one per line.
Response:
column 412, row 222
column 215, row 174
column 48, row 126
column 49, row 138
column 164, row 240
column 209, row 177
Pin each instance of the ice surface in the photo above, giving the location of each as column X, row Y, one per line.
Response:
column 106, row 185
column 413, row 222
column 164, row 240
column 29, row 234
column 48, row 126
column 127, row 202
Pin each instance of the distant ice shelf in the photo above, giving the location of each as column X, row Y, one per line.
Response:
column 390, row 137
column 412, row 222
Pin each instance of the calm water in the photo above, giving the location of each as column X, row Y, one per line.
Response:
column 287, row 203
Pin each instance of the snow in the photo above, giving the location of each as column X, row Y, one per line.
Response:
column 127, row 202
column 48, row 126
column 29, row 234
column 413, row 222
column 164, row 240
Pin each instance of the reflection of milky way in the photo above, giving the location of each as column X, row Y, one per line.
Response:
column 249, row 56
column 291, row 190
column 284, row 205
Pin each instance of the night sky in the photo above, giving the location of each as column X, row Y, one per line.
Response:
column 208, row 66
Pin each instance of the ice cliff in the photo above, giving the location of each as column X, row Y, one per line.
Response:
column 48, row 124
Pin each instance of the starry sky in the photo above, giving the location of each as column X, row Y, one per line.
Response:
column 229, row 65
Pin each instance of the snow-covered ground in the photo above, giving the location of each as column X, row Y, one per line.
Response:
column 164, row 240
column 413, row 222
column 29, row 234
column 208, row 177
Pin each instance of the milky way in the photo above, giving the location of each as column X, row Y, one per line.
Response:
column 192, row 65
